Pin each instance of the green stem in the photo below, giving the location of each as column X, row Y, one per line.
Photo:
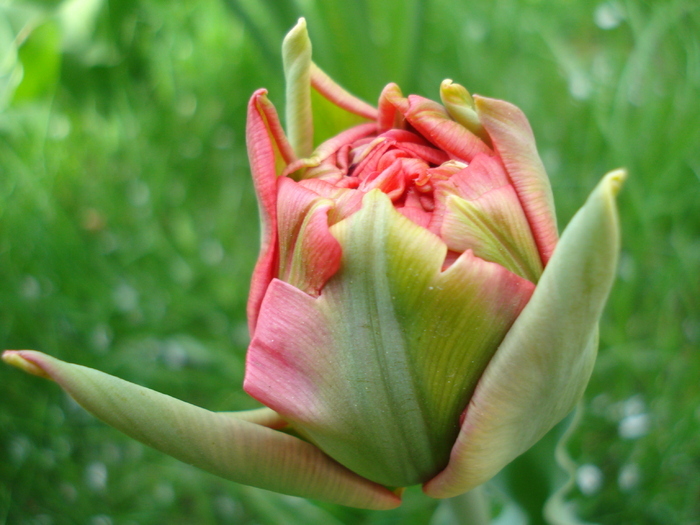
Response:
column 470, row 508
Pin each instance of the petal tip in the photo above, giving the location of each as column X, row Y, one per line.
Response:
column 22, row 359
column 614, row 180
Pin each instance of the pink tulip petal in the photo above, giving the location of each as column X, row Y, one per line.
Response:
column 331, row 146
column 388, row 118
column 267, row 150
column 514, row 142
column 483, row 174
column 308, row 254
column 431, row 120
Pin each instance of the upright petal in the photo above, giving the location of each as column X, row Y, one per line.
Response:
column 543, row 365
column 514, row 142
column 296, row 56
column 220, row 443
column 268, row 153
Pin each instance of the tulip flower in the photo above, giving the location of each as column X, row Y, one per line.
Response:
column 415, row 317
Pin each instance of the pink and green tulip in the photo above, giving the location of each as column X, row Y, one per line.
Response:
column 415, row 317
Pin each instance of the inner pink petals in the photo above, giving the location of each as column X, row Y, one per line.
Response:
column 308, row 254
column 431, row 120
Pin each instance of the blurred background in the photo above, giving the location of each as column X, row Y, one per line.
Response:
column 128, row 230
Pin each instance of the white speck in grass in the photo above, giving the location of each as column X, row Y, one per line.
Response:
column 68, row 492
column 634, row 405
column 62, row 447
column 475, row 30
column 59, row 127
column 223, row 137
column 20, row 447
column 101, row 338
column 100, row 519
column 30, row 288
column 608, row 15
column 187, row 105
column 181, row 272
column 191, row 148
column 56, row 415
column 164, row 494
column 580, row 86
column 96, row 476
column 691, row 329
column 629, row 476
column 589, row 479
column 211, row 252
column 634, row 426
column 125, row 297
column 138, row 193
column 627, row 269
column 46, row 457
column 174, row 355
column 226, row 508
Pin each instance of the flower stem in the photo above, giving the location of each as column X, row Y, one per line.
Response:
column 470, row 508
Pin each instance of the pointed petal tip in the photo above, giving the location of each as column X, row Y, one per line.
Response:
column 22, row 359
column 299, row 28
column 614, row 180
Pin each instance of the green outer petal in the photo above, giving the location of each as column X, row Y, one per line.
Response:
column 220, row 443
column 377, row 370
column 541, row 369
column 296, row 56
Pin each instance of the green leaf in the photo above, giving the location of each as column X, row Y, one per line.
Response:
column 220, row 443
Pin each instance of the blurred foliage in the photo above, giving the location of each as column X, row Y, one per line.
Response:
column 128, row 228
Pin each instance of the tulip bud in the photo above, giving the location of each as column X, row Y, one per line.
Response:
column 415, row 318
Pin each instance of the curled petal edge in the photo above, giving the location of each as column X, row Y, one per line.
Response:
column 541, row 369
column 224, row 444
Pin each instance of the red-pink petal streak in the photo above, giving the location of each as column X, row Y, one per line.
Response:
column 514, row 142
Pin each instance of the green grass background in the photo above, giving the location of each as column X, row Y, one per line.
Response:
column 128, row 227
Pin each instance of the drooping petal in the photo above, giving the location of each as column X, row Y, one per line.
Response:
column 268, row 152
column 543, row 365
column 327, row 87
column 514, row 142
column 221, row 443
column 308, row 254
column 377, row 369
column 334, row 109
column 296, row 57
column 431, row 120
